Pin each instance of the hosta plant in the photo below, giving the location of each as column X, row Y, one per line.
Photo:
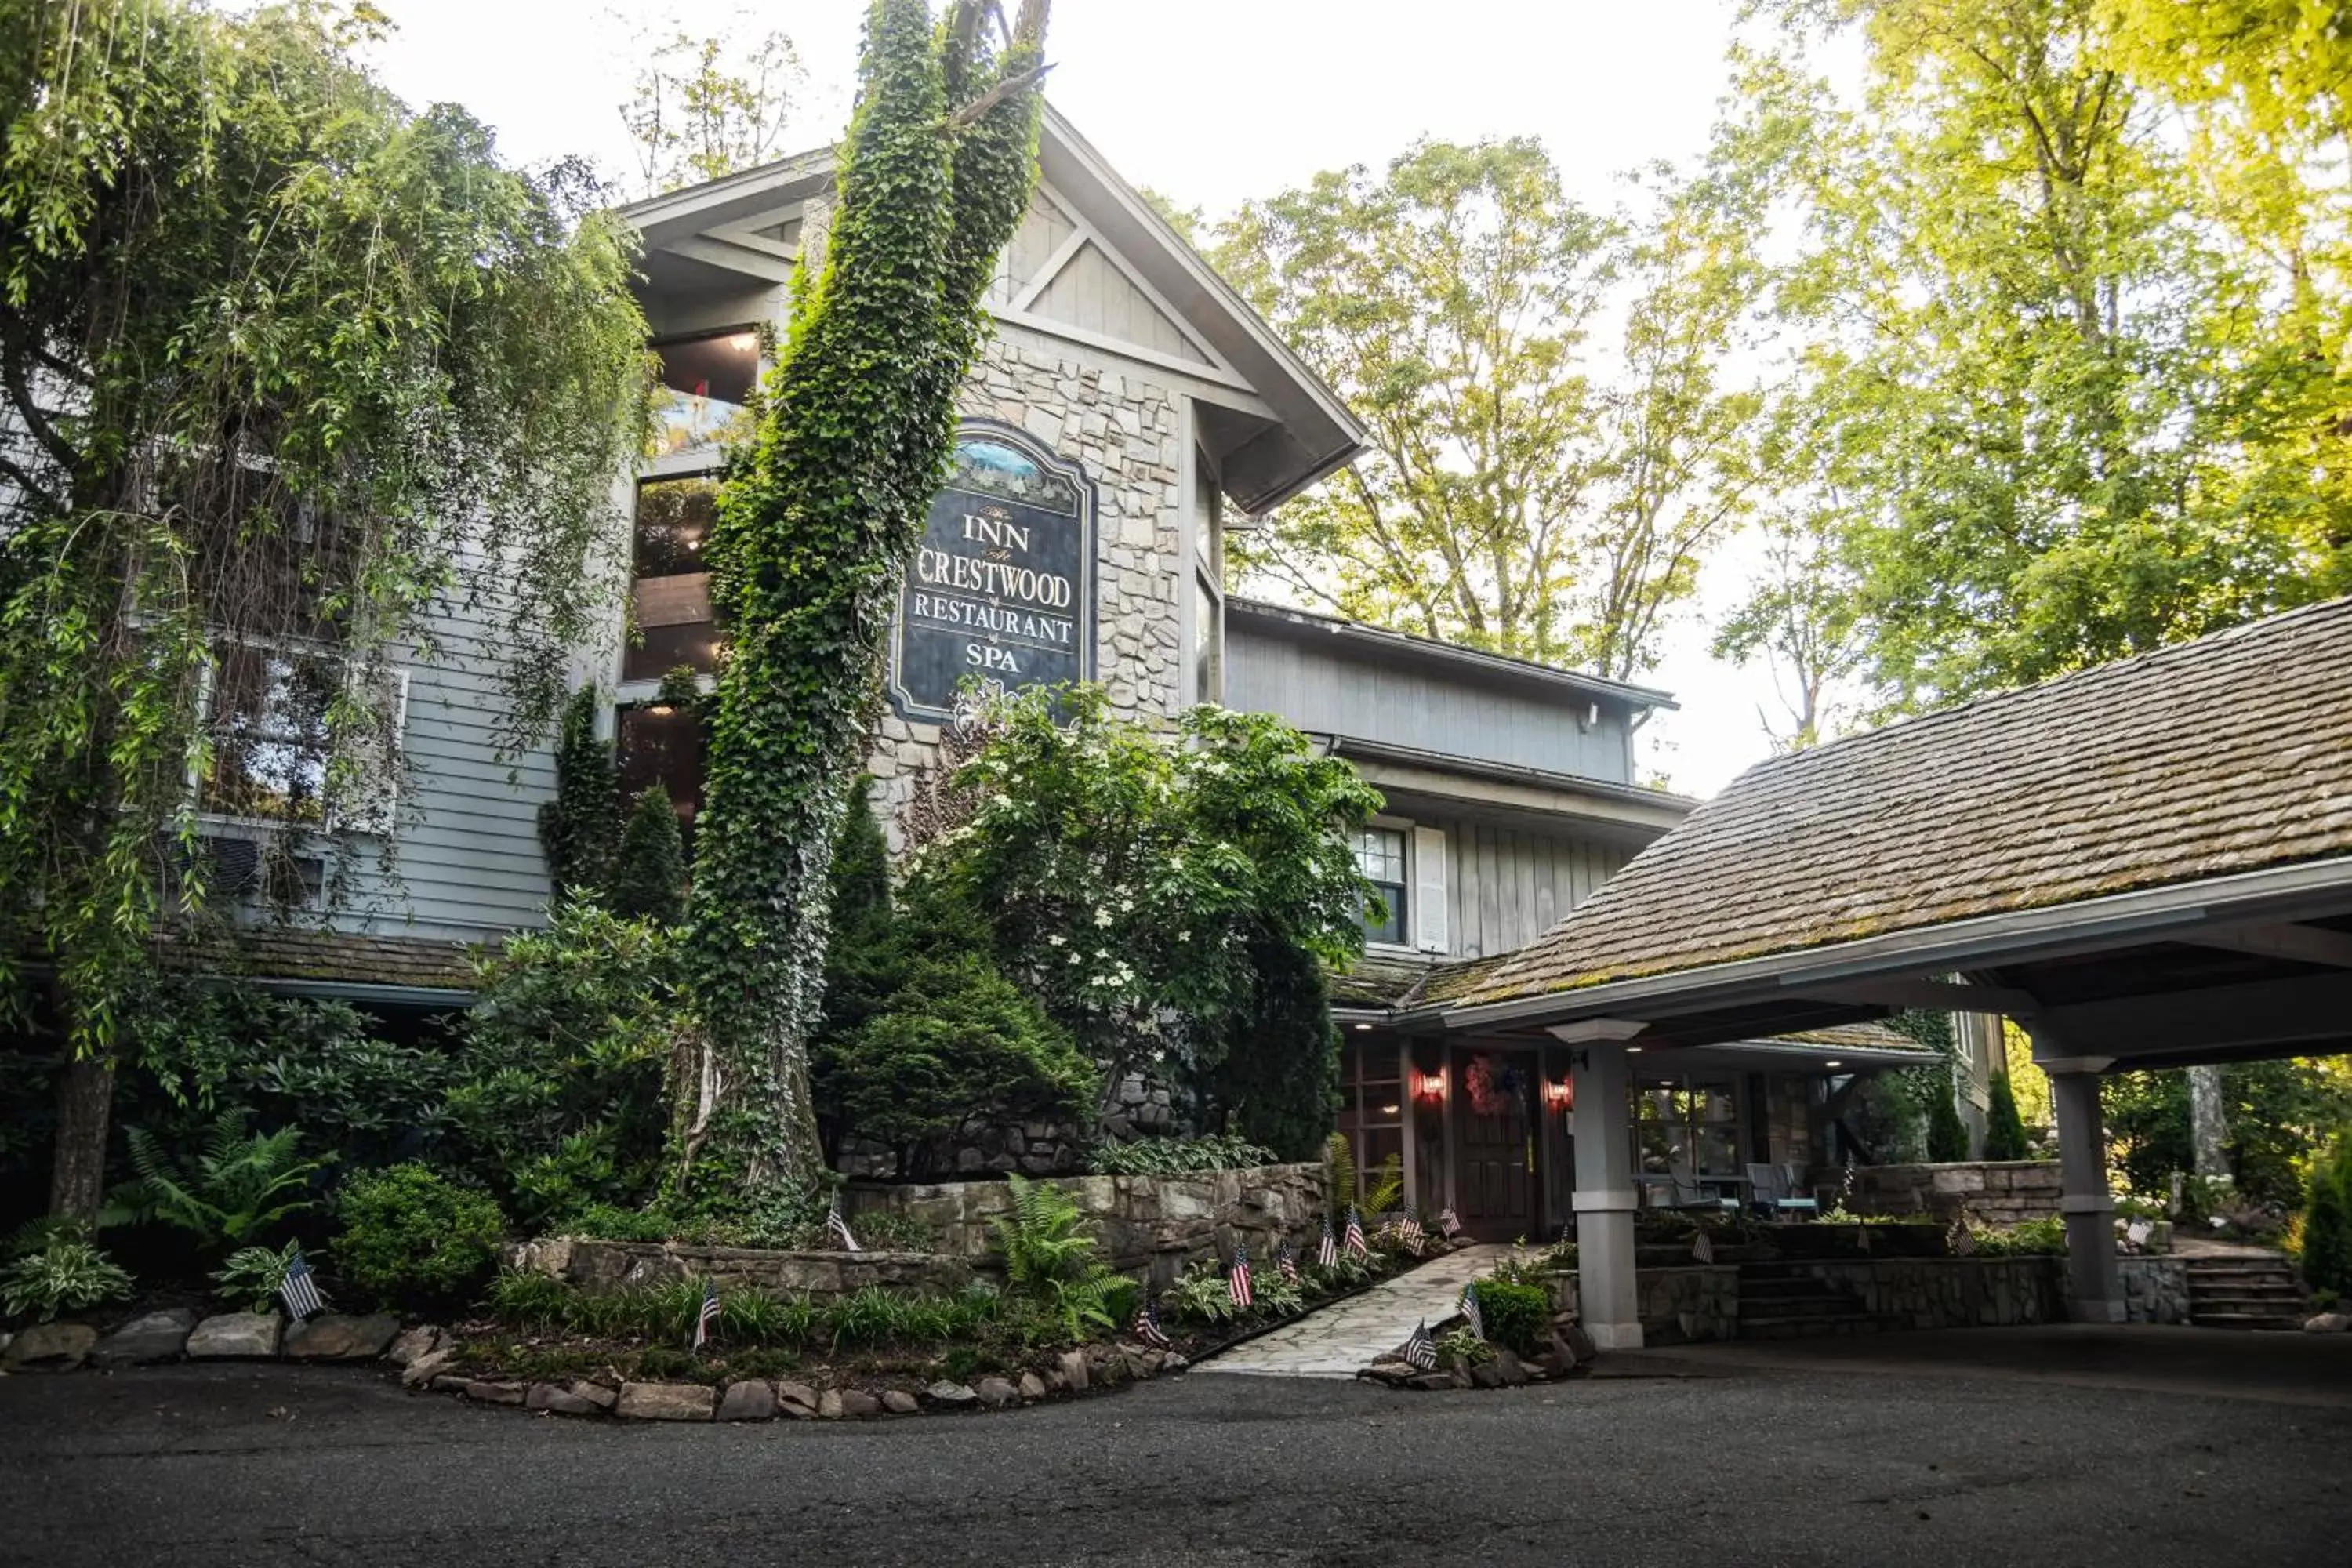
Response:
column 252, row 1276
column 65, row 1273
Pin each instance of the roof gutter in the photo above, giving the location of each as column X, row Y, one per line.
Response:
column 2084, row 926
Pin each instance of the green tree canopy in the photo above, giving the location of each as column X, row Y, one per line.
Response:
column 292, row 366
column 1532, row 487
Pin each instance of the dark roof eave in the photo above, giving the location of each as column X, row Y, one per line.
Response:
column 2083, row 925
column 1517, row 772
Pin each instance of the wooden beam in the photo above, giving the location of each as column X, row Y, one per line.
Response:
column 1940, row 995
column 2301, row 944
column 2279, row 1018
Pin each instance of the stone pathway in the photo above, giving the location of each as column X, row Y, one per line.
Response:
column 1337, row 1340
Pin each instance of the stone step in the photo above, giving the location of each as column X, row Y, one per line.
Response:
column 1798, row 1307
column 2279, row 1320
column 1796, row 1328
column 2246, row 1288
column 2275, row 1306
column 1806, row 1286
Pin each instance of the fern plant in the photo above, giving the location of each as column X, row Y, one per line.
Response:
column 1340, row 1162
column 1050, row 1258
column 239, row 1189
column 1383, row 1191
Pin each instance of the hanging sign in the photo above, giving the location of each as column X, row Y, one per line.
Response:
column 1001, row 591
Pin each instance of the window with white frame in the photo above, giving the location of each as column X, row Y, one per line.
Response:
column 273, row 738
column 1380, row 856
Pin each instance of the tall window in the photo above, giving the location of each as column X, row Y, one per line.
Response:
column 662, row 745
column 1380, row 855
column 705, row 384
column 267, row 722
column 1686, row 1126
column 1371, row 1109
column 672, row 593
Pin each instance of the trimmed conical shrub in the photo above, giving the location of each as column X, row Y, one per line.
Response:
column 2004, row 1128
column 1947, row 1136
column 650, row 871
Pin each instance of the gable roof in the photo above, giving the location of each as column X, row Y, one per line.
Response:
column 2229, row 754
column 730, row 225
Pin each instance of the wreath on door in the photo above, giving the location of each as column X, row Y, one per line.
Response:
column 1493, row 1088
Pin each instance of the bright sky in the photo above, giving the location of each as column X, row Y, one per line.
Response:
column 1210, row 102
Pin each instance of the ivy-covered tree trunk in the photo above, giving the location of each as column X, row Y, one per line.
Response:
column 815, row 530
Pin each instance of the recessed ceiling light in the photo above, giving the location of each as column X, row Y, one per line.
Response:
column 1364, row 1025
column 1630, row 1050
column 1831, row 1063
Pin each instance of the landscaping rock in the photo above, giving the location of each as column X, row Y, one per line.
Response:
column 1563, row 1353
column 413, row 1346
column 484, row 1392
column 1395, row 1373
column 449, row 1382
column 1033, row 1387
column 421, row 1371
column 1434, row 1380
column 1073, row 1368
column 596, row 1394
column 557, row 1401
column 856, row 1404
column 1581, row 1342
column 898, row 1402
column 796, row 1399
column 829, row 1404
column 151, row 1336
column 955, row 1393
column 1486, row 1374
column 49, row 1347
column 336, row 1336
column 664, row 1402
column 1056, row 1383
column 1172, row 1361
column 1142, row 1365
column 1105, row 1365
column 2328, row 1323
column 997, row 1393
column 235, row 1335
column 750, row 1400
column 1507, row 1365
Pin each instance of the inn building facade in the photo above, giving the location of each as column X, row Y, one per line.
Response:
column 1130, row 414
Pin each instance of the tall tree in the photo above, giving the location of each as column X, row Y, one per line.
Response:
column 286, row 367
column 2090, row 402
column 705, row 106
column 1529, row 490
column 814, row 529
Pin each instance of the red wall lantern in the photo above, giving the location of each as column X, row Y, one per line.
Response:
column 1429, row 1085
column 1561, row 1096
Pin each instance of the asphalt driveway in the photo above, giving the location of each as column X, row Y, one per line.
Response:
column 1768, row 1458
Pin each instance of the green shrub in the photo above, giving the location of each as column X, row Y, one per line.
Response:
column 1517, row 1316
column 2004, row 1128
column 650, row 871
column 2327, row 1239
column 413, row 1237
column 1199, row 1294
column 2041, row 1236
column 1174, row 1156
column 1051, row 1259
column 578, row 829
column 1947, row 1135
column 64, row 1272
column 237, row 1190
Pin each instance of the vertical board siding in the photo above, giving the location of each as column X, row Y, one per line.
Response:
column 1510, row 885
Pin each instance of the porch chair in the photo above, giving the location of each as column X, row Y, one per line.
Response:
column 1689, row 1195
column 1808, row 1206
column 1774, row 1193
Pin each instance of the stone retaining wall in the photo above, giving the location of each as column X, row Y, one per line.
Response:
column 1139, row 1108
column 1994, row 1192
column 600, row 1267
column 1155, row 1222
column 1688, row 1302
column 2156, row 1290
column 1951, row 1292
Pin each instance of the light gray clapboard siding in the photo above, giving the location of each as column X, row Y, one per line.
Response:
column 466, row 865
column 1508, row 885
column 1339, row 690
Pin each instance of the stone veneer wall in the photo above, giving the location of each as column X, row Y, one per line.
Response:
column 1139, row 1108
column 603, row 1267
column 1951, row 1292
column 1994, row 1192
column 1688, row 1302
column 2156, row 1290
column 1155, row 1222
column 1127, row 433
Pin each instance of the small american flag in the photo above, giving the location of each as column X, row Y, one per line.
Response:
column 1470, row 1309
column 1237, row 1283
column 709, row 1315
column 838, row 1227
column 1410, row 1228
column 1420, row 1350
column 1284, row 1263
column 299, row 1290
column 1327, row 1251
column 1449, row 1224
column 1147, row 1328
column 1356, row 1243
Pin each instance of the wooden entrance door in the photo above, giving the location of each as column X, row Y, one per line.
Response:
column 1495, row 1152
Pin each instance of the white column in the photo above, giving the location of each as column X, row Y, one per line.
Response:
column 1607, row 1293
column 2089, row 1209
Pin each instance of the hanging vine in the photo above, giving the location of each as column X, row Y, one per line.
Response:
column 816, row 526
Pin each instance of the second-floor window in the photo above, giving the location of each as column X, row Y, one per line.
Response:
column 1380, row 855
column 267, row 722
column 705, row 384
column 672, row 593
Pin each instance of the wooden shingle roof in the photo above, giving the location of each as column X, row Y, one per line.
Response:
column 2231, row 753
